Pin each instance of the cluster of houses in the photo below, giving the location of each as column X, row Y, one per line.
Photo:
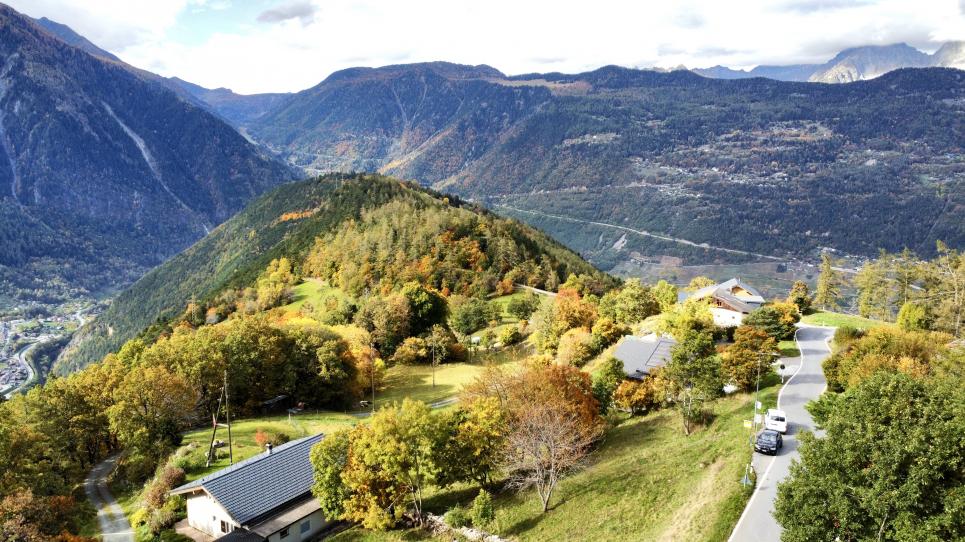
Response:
column 729, row 301
column 268, row 497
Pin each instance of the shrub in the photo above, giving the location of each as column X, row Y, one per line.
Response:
column 171, row 477
column 482, row 511
column 510, row 336
column 457, row 517
column 576, row 347
column 412, row 351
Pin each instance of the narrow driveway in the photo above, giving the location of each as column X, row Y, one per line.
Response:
column 757, row 524
column 111, row 519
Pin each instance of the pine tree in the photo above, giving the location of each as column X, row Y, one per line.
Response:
column 828, row 290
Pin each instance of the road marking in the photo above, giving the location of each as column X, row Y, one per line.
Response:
column 767, row 471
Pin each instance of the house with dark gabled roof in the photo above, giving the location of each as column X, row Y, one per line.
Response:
column 641, row 355
column 264, row 498
column 730, row 301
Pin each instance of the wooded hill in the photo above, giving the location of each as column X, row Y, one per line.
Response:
column 366, row 233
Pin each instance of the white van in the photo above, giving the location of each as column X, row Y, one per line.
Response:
column 776, row 420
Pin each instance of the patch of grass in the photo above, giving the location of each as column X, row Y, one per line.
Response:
column 837, row 319
column 415, row 381
column 647, row 481
column 312, row 291
column 788, row 349
column 243, row 435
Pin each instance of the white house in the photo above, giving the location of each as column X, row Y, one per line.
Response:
column 730, row 301
column 264, row 498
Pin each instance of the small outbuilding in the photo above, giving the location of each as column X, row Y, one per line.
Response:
column 264, row 498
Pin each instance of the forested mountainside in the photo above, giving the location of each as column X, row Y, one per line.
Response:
column 364, row 233
column 104, row 171
column 756, row 165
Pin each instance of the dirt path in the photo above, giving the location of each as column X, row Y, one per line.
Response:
column 113, row 523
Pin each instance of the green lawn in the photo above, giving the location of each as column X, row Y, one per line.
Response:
column 837, row 319
column 646, row 482
column 788, row 349
column 313, row 291
column 243, row 435
column 415, row 381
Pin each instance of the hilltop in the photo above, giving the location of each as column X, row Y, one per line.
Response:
column 412, row 227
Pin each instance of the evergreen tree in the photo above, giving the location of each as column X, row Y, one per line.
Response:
column 828, row 291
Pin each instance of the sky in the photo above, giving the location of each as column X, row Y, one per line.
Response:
column 254, row 46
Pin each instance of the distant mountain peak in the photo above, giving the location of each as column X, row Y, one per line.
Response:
column 852, row 64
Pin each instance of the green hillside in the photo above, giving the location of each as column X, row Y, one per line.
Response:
column 347, row 209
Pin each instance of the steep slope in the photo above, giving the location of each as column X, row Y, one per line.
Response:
column 104, row 172
column 72, row 38
column 862, row 63
column 423, row 121
column 755, row 165
column 950, row 55
column 286, row 223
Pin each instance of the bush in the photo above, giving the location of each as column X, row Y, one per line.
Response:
column 171, row 477
column 576, row 347
column 522, row 307
column 457, row 517
column 413, row 351
column 263, row 437
column 510, row 336
column 845, row 335
column 482, row 511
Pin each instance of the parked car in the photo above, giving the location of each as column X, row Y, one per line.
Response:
column 768, row 442
column 775, row 420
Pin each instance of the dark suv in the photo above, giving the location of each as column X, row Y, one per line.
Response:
column 768, row 442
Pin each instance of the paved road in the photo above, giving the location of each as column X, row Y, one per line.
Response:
column 757, row 524
column 113, row 523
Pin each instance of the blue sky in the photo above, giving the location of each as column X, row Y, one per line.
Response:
column 288, row 45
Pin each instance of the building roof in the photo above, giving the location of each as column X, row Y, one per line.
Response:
column 640, row 355
column 241, row 535
column 289, row 516
column 258, row 486
column 725, row 292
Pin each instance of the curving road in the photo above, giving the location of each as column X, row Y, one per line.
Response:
column 110, row 517
column 756, row 524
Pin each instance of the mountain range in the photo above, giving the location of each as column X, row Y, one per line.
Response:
column 754, row 166
column 621, row 164
column 854, row 64
column 105, row 171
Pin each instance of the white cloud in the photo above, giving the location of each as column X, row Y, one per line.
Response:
column 302, row 46
column 303, row 10
column 111, row 24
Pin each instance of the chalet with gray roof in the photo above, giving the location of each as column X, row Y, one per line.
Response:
column 730, row 301
column 641, row 355
column 264, row 498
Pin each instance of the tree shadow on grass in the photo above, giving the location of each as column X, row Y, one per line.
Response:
column 525, row 524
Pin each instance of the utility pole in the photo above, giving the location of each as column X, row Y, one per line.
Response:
column 227, row 411
column 372, row 374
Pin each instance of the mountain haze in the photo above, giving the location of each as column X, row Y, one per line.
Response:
column 854, row 64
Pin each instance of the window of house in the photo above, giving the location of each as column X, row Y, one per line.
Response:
column 306, row 526
column 284, row 532
column 224, row 526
